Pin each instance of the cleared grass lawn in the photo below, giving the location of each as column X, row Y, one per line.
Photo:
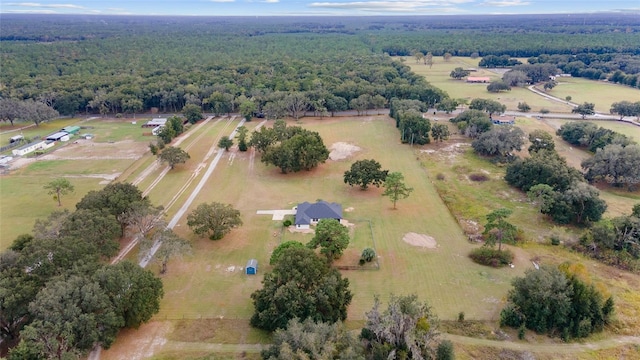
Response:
column 109, row 129
column 601, row 93
column 438, row 75
column 24, row 200
column 211, row 284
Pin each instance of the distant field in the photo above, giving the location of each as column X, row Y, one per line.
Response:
column 601, row 93
column 438, row 75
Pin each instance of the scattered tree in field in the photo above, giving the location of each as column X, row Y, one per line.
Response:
column 296, row 103
column 550, row 85
column 515, row 78
column 498, row 229
column 95, row 226
column 310, row 340
column 395, row 188
column 364, row 173
column 498, row 86
column 447, row 56
column 406, row 329
column 172, row 246
column 332, row 237
column 279, row 250
column 247, row 109
column 584, row 109
column 500, row 141
column 134, row 292
column 472, row 122
column 59, row 187
column 615, row 164
column 301, row 285
column 487, row 105
column 613, row 240
column 579, row 204
column 524, row 107
column 428, row 59
column 302, row 151
column 458, row 73
column 213, row 219
column 173, row 156
column 166, row 134
column 625, row 108
column 542, row 167
column 440, row 132
column 589, row 135
column 556, row 302
column 225, row 142
column 242, row 138
column 448, row 105
column 192, row 112
column 541, row 140
column 262, row 139
column 116, row 198
column 414, row 128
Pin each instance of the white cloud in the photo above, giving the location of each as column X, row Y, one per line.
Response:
column 42, row 11
column 271, row 1
column 47, row 6
column 222, row 1
column 505, row 3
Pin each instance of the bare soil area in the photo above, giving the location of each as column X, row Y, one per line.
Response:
column 420, row 240
column 342, row 150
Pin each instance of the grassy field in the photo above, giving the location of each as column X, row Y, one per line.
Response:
column 445, row 275
column 601, row 93
column 438, row 75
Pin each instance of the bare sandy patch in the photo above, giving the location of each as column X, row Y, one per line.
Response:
column 420, row 240
column 342, row 150
column 142, row 343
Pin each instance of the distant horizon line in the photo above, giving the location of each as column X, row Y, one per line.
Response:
column 598, row 12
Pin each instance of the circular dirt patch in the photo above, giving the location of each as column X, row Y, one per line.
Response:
column 420, row 240
column 342, row 150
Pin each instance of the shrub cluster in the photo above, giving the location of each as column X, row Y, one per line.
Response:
column 491, row 257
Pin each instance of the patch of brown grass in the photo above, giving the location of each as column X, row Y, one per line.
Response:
column 218, row 331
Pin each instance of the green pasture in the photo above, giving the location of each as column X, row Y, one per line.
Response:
column 601, row 93
column 109, row 130
column 24, row 200
column 438, row 75
column 54, row 168
column 444, row 275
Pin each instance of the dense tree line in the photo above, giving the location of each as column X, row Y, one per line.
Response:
column 58, row 296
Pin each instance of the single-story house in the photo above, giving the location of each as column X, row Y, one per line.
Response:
column 71, row 130
column 36, row 145
column 478, row 79
column 503, row 120
column 155, row 122
column 309, row 214
column 59, row 136
column 252, row 267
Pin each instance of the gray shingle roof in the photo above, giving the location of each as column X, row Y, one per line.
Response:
column 319, row 210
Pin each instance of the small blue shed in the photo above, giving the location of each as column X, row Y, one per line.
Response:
column 252, row 267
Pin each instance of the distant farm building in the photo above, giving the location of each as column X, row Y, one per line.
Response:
column 252, row 267
column 478, row 79
column 156, row 130
column 71, row 130
column 155, row 122
column 503, row 120
column 5, row 159
column 34, row 146
column 59, row 136
column 309, row 214
column 16, row 138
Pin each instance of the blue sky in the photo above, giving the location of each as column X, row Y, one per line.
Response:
column 315, row 7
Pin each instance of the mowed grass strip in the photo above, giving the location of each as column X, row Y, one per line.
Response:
column 438, row 76
column 32, row 131
column 210, row 284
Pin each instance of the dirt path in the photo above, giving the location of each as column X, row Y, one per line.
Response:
column 546, row 348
